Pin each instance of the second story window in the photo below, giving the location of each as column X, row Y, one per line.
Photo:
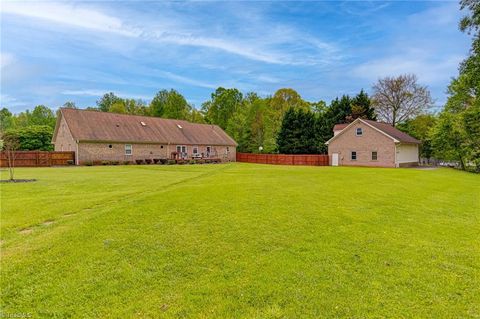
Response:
column 359, row 131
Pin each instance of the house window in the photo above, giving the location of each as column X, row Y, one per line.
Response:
column 228, row 149
column 359, row 131
column 374, row 156
column 209, row 149
column 128, row 149
column 354, row 156
column 195, row 150
column 181, row 149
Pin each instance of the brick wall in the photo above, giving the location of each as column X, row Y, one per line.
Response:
column 364, row 145
column 64, row 140
column 103, row 151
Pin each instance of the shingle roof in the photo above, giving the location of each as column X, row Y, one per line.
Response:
column 393, row 132
column 386, row 128
column 339, row 127
column 86, row 125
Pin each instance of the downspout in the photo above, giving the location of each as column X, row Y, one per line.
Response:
column 76, row 153
column 396, row 165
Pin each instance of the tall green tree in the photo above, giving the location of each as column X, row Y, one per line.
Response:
column 6, row 119
column 107, row 100
column 456, row 136
column 196, row 116
column 361, row 107
column 42, row 115
column 297, row 133
column 170, row 104
column 118, row 107
column 222, row 106
column 259, row 132
column 283, row 100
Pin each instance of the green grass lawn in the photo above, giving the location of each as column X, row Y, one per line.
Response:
column 241, row 241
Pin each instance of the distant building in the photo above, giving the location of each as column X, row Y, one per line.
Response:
column 101, row 136
column 370, row 143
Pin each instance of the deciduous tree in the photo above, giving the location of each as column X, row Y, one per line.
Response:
column 222, row 105
column 397, row 99
column 107, row 101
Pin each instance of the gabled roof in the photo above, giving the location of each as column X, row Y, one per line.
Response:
column 390, row 131
column 339, row 127
column 96, row 126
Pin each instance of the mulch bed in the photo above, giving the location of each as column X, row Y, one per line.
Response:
column 17, row 180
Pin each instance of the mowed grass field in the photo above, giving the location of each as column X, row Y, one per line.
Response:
column 241, row 241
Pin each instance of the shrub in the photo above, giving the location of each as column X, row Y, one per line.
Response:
column 126, row 162
column 88, row 163
column 139, row 161
column 97, row 162
column 156, row 160
column 70, row 162
column 114, row 162
column 35, row 137
column 192, row 162
column 105, row 162
column 148, row 161
column 171, row 162
column 163, row 161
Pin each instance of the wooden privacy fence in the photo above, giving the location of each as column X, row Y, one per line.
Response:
column 38, row 158
column 284, row 159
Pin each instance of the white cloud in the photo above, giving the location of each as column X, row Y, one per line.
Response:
column 6, row 59
column 429, row 69
column 68, row 14
column 257, row 48
column 10, row 102
column 185, row 80
column 99, row 93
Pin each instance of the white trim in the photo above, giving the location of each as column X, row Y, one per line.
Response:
column 366, row 123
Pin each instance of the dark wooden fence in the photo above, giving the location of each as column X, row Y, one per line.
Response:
column 38, row 158
column 284, row 159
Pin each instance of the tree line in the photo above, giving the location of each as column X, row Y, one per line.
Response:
column 253, row 121
column 286, row 123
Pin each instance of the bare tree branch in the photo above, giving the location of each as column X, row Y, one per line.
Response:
column 397, row 99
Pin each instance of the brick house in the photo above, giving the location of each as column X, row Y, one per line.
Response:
column 100, row 136
column 370, row 143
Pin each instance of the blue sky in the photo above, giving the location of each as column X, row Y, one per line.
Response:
column 52, row 52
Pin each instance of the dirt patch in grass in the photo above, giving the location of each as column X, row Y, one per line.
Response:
column 48, row 222
column 26, row 231
column 17, row 180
